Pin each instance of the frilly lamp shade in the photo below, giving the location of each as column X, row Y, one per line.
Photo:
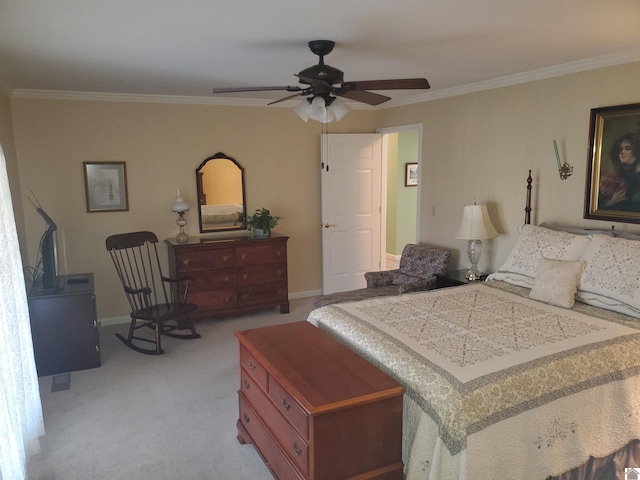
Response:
column 476, row 226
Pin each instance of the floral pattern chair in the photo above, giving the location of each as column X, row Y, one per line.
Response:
column 417, row 269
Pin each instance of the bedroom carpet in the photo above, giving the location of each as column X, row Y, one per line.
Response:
column 167, row 417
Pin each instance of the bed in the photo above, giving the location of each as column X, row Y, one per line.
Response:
column 214, row 216
column 514, row 378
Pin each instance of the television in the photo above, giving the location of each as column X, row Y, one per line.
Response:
column 48, row 251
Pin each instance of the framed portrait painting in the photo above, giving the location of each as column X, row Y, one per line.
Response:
column 613, row 165
column 106, row 186
column 410, row 174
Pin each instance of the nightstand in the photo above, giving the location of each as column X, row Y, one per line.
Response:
column 455, row 278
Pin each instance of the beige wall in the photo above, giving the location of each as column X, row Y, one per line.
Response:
column 475, row 147
column 8, row 149
column 162, row 144
column 480, row 147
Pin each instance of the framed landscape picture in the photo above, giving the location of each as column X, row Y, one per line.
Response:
column 106, row 186
column 411, row 175
column 613, row 167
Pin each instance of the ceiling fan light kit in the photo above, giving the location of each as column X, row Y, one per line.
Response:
column 317, row 108
column 323, row 83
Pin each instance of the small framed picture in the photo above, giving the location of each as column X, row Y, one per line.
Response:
column 613, row 166
column 105, row 185
column 410, row 174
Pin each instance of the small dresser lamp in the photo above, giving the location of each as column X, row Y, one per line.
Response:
column 180, row 206
column 476, row 226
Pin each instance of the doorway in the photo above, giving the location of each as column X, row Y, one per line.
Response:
column 400, row 222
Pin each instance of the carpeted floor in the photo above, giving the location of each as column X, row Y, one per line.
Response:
column 140, row 417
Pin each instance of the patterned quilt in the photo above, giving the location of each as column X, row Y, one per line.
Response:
column 478, row 361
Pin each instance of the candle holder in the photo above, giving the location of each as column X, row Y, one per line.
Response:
column 565, row 171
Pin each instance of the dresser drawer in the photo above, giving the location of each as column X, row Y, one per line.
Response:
column 276, row 459
column 259, row 254
column 204, row 259
column 274, row 293
column 211, row 280
column 217, row 299
column 292, row 443
column 254, row 368
column 260, row 274
column 289, row 408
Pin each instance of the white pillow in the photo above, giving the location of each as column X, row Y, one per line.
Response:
column 611, row 279
column 557, row 282
column 535, row 243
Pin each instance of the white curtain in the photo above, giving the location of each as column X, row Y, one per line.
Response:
column 21, row 422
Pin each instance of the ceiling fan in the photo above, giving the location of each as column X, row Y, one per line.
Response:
column 325, row 81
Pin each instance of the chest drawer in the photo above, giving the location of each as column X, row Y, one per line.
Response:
column 254, row 368
column 276, row 459
column 291, row 442
column 205, row 259
column 261, row 274
column 259, row 254
column 289, row 407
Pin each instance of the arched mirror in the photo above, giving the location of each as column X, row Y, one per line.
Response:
column 220, row 185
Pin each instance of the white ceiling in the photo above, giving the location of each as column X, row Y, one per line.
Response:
column 184, row 48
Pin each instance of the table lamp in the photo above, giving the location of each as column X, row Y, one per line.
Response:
column 180, row 206
column 476, row 226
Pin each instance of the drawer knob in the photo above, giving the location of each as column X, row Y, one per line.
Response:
column 245, row 385
column 225, row 258
column 285, row 404
column 296, row 449
column 243, row 256
column 252, row 366
column 245, row 418
column 186, row 261
column 245, row 276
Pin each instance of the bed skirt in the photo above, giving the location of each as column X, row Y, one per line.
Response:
column 610, row 467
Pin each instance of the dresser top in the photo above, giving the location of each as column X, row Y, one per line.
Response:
column 324, row 374
column 212, row 239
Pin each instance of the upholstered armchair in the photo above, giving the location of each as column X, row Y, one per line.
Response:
column 417, row 269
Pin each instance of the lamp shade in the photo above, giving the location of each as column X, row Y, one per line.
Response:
column 179, row 205
column 476, row 224
column 316, row 109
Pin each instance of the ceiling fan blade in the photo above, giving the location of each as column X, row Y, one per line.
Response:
column 303, row 92
column 315, row 82
column 363, row 96
column 398, row 84
column 256, row 89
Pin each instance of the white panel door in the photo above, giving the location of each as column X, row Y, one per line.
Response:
column 351, row 209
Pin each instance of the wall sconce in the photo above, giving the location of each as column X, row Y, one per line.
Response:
column 564, row 169
column 180, row 206
column 476, row 226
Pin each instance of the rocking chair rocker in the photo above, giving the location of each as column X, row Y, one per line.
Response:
column 155, row 300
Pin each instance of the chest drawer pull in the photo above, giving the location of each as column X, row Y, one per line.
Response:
column 285, row 404
column 246, row 418
column 243, row 256
column 186, row 262
column 245, row 385
column 252, row 366
column 296, row 449
column 245, row 276
column 225, row 258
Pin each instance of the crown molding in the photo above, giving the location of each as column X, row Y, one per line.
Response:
column 509, row 80
column 595, row 63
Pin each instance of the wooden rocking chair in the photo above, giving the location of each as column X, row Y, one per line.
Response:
column 155, row 300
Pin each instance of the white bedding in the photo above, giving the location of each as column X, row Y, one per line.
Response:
column 215, row 215
column 498, row 385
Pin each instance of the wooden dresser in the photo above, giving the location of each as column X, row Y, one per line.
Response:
column 314, row 409
column 232, row 275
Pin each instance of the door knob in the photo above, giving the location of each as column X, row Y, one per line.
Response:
column 329, row 225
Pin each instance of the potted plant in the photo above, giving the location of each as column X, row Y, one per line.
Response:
column 261, row 222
